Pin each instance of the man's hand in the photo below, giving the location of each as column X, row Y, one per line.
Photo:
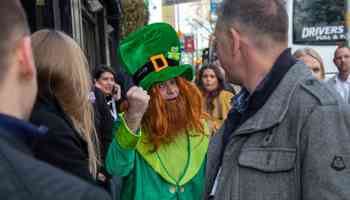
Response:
column 101, row 177
column 116, row 92
column 138, row 103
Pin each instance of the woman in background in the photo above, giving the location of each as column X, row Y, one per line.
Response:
column 106, row 93
column 105, row 82
column 313, row 60
column 217, row 101
column 63, row 105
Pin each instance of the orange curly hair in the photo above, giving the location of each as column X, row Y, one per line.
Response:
column 164, row 120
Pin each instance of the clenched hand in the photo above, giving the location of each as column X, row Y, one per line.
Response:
column 138, row 100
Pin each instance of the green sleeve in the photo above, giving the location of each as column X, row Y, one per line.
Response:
column 121, row 152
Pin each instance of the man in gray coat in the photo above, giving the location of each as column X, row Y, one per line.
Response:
column 287, row 135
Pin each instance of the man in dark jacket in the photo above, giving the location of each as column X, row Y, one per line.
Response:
column 22, row 176
column 287, row 136
column 105, row 87
column 103, row 123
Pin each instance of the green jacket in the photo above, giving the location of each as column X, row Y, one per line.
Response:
column 176, row 171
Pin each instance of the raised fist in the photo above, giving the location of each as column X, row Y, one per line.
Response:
column 138, row 100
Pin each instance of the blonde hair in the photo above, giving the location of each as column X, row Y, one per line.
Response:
column 313, row 53
column 62, row 68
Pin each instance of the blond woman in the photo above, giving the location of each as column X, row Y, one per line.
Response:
column 63, row 105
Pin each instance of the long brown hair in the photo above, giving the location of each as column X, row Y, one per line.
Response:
column 63, row 69
column 189, row 114
column 209, row 97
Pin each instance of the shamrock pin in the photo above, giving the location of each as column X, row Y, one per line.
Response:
column 174, row 53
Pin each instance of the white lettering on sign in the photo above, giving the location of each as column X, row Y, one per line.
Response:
column 322, row 32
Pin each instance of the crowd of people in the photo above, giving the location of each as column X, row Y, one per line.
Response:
column 67, row 134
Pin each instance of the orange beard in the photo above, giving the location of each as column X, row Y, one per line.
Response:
column 164, row 120
column 176, row 114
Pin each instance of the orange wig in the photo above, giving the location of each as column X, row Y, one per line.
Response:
column 164, row 120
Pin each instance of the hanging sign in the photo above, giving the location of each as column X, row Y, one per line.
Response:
column 318, row 22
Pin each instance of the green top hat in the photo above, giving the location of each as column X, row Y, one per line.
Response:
column 151, row 55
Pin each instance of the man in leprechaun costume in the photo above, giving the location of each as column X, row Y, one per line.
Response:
column 161, row 141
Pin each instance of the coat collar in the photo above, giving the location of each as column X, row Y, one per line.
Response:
column 337, row 79
column 333, row 78
column 275, row 109
column 50, row 104
column 19, row 132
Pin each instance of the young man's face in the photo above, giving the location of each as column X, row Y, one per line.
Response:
column 169, row 90
column 342, row 60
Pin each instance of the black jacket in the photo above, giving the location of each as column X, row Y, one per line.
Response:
column 103, row 122
column 24, row 177
column 62, row 146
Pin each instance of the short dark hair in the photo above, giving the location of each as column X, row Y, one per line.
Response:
column 340, row 46
column 13, row 23
column 102, row 69
column 257, row 17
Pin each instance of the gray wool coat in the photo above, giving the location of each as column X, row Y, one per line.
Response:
column 297, row 146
